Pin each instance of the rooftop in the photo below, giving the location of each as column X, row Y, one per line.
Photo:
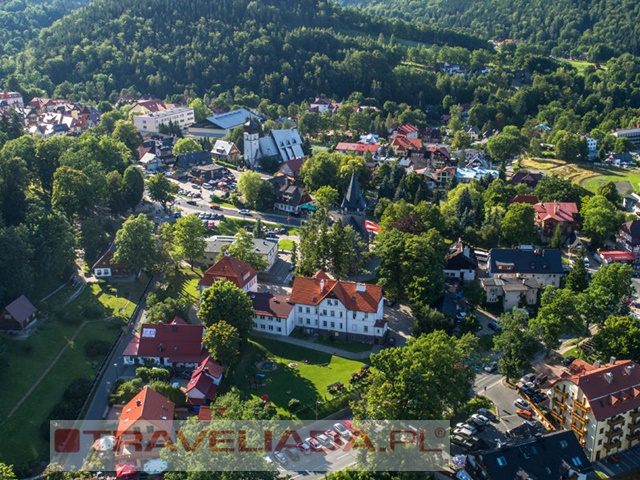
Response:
column 150, row 406
column 229, row 268
column 177, row 342
column 21, row 309
column 271, row 305
column 515, row 260
column 232, row 119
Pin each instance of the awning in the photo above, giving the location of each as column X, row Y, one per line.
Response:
column 308, row 206
column 371, row 227
column 125, row 470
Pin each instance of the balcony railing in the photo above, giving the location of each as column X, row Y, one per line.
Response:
column 613, row 433
column 634, row 416
column 557, row 416
column 575, row 415
column 581, row 406
column 560, row 393
column 633, row 436
column 613, row 444
column 579, row 430
column 612, row 422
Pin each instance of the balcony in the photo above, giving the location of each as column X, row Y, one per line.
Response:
column 557, row 417
column 581, row 406
column 613, row 433
column 559, row 403
column 633, row 436
column 575, row 415
column 614, row 444
column 615, row 421
column 578, row 430
column 634, row 416
column 560, row 393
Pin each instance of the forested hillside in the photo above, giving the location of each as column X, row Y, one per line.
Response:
column 281, row 50
column 21, row 20
column 568, row 25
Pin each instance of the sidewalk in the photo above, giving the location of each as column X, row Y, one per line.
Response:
column 315, row 346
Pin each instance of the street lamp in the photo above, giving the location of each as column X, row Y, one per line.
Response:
column 115, row 365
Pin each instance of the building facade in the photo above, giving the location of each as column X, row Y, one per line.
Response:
column 151, row 122
column 543, row 265
column 273, row 314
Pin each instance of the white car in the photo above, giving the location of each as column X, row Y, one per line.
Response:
column 244, row 211
column 342, row 430
column 528, row 377
column 520, row 403
column 480, row 418
column 463, row 432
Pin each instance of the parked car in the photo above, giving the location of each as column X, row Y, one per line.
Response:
column 195, row 186
column 391, row 342
column 529, row 392
column 520, row 403
column 463, row 432
column 528, row 377
column 467, row 426
column 492, row 326
column 304, row 448
column 390, row 302
column 486, row 413
column 480, row 418
column 244, row 211
column 541, row 379
column 568, row 360
column 191, row 202
column 539, row 397
column 177, row 215
column 461, row 441
column 492, row 367
column 333, row 435
column 342, row 430
column 476, row 423
column 313, row 443
column 280, row 458
column 215, row 207
column 324, row 440
column 524, row 413
column 197, row 195
column 292, row 454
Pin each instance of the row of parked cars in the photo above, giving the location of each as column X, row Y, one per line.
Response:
column 328, row 439
column 464, row 432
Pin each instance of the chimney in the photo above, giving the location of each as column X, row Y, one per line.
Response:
column 628, row 369
column 612, row 361
column 138, row 402
column 555, row 208
column 608, row 377
column 361, row 287
column 322, row 286
column 597, row 364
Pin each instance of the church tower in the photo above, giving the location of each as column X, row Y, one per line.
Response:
column 251, row 145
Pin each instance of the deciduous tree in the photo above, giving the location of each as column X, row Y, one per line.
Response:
column 186, row 145
column 516, row 342
column 223, row 342
column 519, row 224
column 188, row 238
column 225, row 301
column 72, row 192
column 161, row 189
column 244, row 249
column 136, row 247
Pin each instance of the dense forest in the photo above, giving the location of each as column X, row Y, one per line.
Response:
column 281, row 50
column 21, row 20
column 564, row 28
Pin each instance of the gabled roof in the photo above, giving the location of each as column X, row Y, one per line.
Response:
column 405, row 143
column 222, row 147
column 311, row 291
column 633, row 229
column 148, row 405
column 288, row 143
column 528, row 178
column 515, row 260
column 406, row 129
column 558, row 211
column 354, row 200
column 616, row 256
column 459, row 261
column 232, row 119
column 229, row 268
column 292, row 167
column 610, row 399
column 21, row 309
column 202, row 378
column 271, row 305
column 549, row 457
column 357, row 147
column 179, row 343
column 530, row 199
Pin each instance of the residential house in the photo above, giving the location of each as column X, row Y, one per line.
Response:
column 439, row 155
column 550, row 215
column 465, row 175
column 146, row 106
column 268, row 249
column 607, row 257
column 151, row 122
column 167, row 345
column 530, row 179
column 196, row 159
column 429, row 177
column 273, row 313
column 632, row 134
column 207, row 173
column 407, row 130
column 530, row 199
column 444, row 175
column 473, row 132
column 150, row 162
column 204, row 382
column 601, row 406
column 513, row 292
column 370, row 139
column 544, row 265
column 620, row 159
column 230, row 268
column 554, row 455
column 631, row 203
column 406, row 146
column 320, row 105
column 346, row 310
column 221, row 125
column 146, row 414
column 291, row 169
column 11, row 99
column 289, row 197
column 461, row 263
column 357, row 148
column 592, row 147
column 226, row 151
column 18, row 315
column 628, row 237
column 106, row 268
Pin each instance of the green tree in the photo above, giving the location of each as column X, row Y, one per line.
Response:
column 619, row 337
column 166, row 310
column 223, row 342
column 225, row 301
column 171, row 393
column 320, row 170
column 326, row 196
column 253, row 188
column 519, row 224
column 600, row 218
column 200, row 110
column 6, row 472
column 186, row 145
column 117, row 202
column 570, row 147
column 427, row 319
column 423, row 380
column 623, row 144
column 608, row 291
column 136, row 245
column 609, row 191
column 474, row 293
column 516, row 342
column 72, row 193
column 14, row 182
column 133, row 185
column 461, row 140
column 127, row 133
column 161, row 189
column 578, row 278
column 188, row 238
column 258, row 229
column 243, row 248
column 556, row 239
column 108, row 121
column 558, row 315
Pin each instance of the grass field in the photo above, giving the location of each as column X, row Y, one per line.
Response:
column 306, row 382
column 230, row 226
column 580, row 65
column 285, row 244
column 22, row 444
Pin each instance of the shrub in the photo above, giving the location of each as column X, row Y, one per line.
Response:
column 97, row 347
column 294, row 404
column 77, row 391
column 147, row 374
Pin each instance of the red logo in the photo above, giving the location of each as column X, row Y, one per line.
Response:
column 67, row 440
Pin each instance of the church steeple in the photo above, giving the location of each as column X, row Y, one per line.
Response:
column 354, row 201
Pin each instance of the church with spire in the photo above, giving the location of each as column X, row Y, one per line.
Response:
column 353, row 208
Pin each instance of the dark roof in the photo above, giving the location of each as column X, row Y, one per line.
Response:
column 633, row 229
column 21, row 309
column 354, row 199
column 515, row 260
column 550, row 456
column 271, row 305
column 528, row 178
column 460, row 261
column 194, row 157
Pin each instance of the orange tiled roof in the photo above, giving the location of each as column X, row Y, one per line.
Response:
column 229, row 268
column 405, row 143
column 148, row 405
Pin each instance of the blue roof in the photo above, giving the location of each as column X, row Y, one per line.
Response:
column 232, row 119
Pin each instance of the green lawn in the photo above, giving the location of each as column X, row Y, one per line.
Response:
column 230, row 226
column 285, row 244
column 22, row 443
column 355, row 347
column 190, row 284
column 580, row 65
column 625, row 180
column 306, row 382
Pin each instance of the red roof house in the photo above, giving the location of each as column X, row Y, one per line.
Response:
column 552, row 214
column 357, row 148
column 403, row 144
column 147, row 409
column 615, row 256
column 18, row 315
column 167, row 345
column 204, row 382
column 407, row 130
column 530, row 199
column 232, row 269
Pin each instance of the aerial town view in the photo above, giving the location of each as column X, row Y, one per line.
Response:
column 319, row 239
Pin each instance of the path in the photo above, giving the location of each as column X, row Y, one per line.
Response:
column 315, row 346
column 44, row 374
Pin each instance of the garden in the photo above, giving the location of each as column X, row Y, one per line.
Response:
column 282, row 373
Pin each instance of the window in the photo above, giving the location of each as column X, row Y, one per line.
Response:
column 340, row 314
column 263, row 327
column 340, row 325
column 316, row 322
column 308, row 310
column 308, row 321
column 300, row 309
column 601, row 431
column 270, row 327
column 278, row 320
column 354, row 315
column 365, row 328
column 576, row 461
column 501, row 461
column 324, row 323
column 333, row 324
column 149, row 428
column 279, row 329
column 366, row 316
column 599, row 442
column 354, row 328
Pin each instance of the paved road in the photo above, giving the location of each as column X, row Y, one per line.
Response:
column 491, row 385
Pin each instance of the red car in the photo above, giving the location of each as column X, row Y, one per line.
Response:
column 314, row 444
column 215, row 207
column 333, row 435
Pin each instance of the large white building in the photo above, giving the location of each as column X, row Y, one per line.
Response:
column 601, row 405
column 346, row 310
column 266, row 248
column 11, row 99
column 218, row 126
column 273, row 313
column 632, row 134
column 151, row 122
column 284, row 145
